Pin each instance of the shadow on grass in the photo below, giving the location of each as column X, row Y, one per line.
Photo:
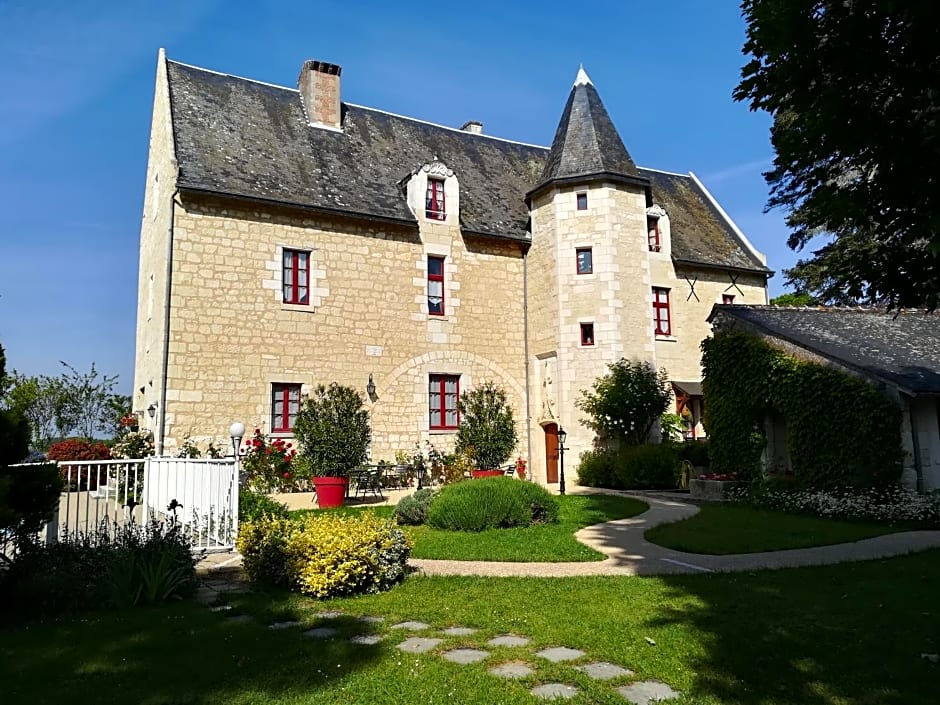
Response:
column 180, row 653
column 852, row 633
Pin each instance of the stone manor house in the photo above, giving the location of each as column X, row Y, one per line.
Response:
column 290, row 239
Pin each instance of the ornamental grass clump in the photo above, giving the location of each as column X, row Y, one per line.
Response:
column 491, row 503
column 325, row 555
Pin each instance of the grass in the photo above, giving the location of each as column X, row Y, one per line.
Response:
column 544, row 542
column 721, row 529
column 835, row 635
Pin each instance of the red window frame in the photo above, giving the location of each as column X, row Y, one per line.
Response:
column 434, row 280
column 285, row 396
column 434, row 205
column 296, row 277
column 590, row 260
column 727, row 298
column 437, row 389
column 587, row 334
column 652, row 235
column 581, row 200
column 662, row 319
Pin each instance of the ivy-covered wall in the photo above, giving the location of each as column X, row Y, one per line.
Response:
column 840, row 430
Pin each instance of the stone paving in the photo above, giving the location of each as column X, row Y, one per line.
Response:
column 519, row 666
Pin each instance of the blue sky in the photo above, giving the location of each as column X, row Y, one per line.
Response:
column 78, row 79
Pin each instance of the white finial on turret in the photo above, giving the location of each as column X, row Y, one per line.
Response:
column 582, row 79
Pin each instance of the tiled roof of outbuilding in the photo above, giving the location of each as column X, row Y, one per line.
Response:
column 902, row 349
column 243, row 138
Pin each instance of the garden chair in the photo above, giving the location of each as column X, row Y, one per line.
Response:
column 370, row 480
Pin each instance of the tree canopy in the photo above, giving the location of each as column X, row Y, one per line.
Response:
column 853, row 87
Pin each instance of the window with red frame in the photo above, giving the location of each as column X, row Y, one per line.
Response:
column 652, row 228
column 296, row 277
column 727, row 298
column 661, row 320
column 585, row 260
column 443, row 392
column 587, row 334
column 285, row 403
column 436, row 286
column 434, row 200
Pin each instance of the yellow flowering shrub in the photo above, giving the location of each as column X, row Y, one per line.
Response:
column 325, row 555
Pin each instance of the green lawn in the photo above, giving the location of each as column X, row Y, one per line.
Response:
column 721, row 529
column 837, row 635
column 545, row 542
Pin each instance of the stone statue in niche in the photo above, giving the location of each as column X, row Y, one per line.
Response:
column 548, row 391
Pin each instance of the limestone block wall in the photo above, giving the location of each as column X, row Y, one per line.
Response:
column 680, row 353
column 154, row 234
column 232, row 337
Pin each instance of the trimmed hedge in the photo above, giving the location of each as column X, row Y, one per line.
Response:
column 645, row 467
column 325, row 554
column 491, row 503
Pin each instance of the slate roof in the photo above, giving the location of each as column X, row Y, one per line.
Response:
column 586, row 142
column 903, row 350
column 243, row 138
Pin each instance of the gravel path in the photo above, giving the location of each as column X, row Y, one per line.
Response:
column 629, row 553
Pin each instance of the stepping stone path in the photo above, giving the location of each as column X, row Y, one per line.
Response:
column 602, row 671
column 459, row 631
column 366, row 639
column 512, row 670
column 508, row 640
column 418, row 645
column 639, row 693
column 550, row 691
column 321, row 632
column 412, row 626
column 464, row 656
column 557, row 654
column 646, row 692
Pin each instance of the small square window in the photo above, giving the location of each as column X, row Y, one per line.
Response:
column 582, row 201
column 727, row 298
column 585, row 259
column 587, row 334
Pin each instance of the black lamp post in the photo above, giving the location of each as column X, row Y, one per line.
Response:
column 561, row 459
column 370, row 388
column 419, row 471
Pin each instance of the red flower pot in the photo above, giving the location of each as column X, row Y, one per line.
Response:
column 331, row 491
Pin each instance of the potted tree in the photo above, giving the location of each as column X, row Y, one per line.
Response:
column 487, row 432
column 332, row 430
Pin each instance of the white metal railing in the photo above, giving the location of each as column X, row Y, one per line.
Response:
column 201, row 494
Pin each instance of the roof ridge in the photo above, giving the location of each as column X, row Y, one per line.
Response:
column 232, row 75
column 662, row 171
column 445, row 127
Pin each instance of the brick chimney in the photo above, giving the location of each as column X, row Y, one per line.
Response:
column 319, row 90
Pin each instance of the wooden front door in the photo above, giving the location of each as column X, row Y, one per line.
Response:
column 551, row 453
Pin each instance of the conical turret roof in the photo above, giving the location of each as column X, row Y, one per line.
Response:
column 586, row 142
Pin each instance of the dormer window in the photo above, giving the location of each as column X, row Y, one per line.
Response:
column 434, row 200
column 652, row 228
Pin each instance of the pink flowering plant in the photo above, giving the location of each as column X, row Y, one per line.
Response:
column 268, row 465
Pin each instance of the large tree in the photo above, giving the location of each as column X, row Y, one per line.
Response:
column 853, row 87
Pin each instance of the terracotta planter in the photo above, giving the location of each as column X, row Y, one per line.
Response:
column 486, row 473
column 331, row 491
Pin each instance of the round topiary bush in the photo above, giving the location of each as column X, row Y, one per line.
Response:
column 491, row 503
